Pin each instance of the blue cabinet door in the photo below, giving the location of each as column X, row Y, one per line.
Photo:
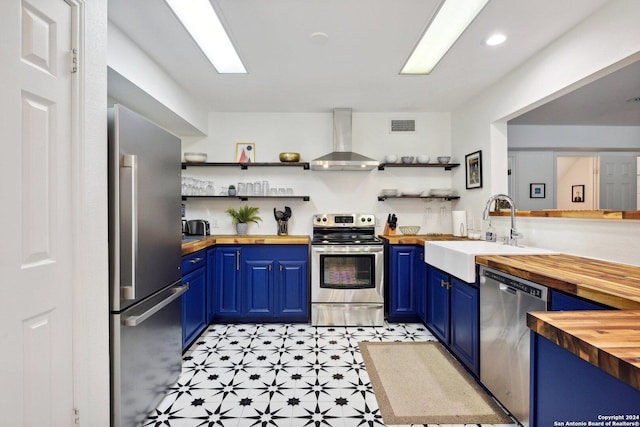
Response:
column 465, row 323
column 438, row 303
column 421, row 284
column 402, row 287
column 292, row 302
column 258, row 289
column 194, row 306
column 227, row 280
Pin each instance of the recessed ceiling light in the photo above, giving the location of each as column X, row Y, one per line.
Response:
column 319, row 38
column 495, row 39
column 453, row 17
column 204, row 26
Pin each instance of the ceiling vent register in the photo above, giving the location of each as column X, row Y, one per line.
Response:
column 403, row 126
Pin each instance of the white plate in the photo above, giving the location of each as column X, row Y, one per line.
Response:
column 411, row 193
column 441, row 192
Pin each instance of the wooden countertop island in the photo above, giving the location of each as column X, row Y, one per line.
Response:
column 608, row 339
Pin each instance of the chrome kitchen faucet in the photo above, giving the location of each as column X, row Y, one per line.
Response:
column 513, row 232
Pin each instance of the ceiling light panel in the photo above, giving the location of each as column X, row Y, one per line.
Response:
column 204, row 26
column 453, row 17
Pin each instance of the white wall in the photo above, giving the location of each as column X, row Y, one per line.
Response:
column 311, row 134
column 138, row 82
column 574, row 137
column 607, row 40
column 533, row 167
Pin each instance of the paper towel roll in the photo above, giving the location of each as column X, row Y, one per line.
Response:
column 459, row 223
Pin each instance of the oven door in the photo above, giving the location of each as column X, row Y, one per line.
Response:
column 347, row 273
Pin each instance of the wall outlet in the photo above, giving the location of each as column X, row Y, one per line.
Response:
column 214, row 224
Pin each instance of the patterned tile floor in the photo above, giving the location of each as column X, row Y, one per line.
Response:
column 279, row 375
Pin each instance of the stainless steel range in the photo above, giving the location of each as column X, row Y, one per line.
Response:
column 347, row 271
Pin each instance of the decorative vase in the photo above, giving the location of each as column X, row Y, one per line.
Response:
column 241, row 228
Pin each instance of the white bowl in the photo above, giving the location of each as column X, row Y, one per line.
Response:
column 390, row 158
column 422, row 158
column 195, row 157
column 444, row 159
column 407, row 159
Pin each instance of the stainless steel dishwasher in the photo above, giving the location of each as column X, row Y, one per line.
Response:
column 504, row 337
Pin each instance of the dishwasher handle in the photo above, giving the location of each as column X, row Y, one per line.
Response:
column 508, row 289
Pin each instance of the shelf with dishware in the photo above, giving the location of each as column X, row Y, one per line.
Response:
column 245, row 198
column 446, row 166
column 304, row 165
column 443, row 194
column 383, row 197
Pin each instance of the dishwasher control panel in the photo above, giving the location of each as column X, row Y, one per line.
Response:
column 517, row 283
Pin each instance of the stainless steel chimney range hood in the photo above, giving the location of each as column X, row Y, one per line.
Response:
column 342, row 158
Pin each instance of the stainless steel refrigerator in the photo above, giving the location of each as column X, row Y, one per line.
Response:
column 144, row 260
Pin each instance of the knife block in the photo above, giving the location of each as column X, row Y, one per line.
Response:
column 388, row 231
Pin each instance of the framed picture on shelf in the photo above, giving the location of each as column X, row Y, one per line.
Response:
column 245, row 152
column 577, row 193
column 537, row 191
column 473, row 169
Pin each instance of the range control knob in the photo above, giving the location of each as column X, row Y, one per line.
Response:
column 324, row 219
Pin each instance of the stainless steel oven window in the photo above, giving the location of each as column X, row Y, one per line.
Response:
column 346, row 271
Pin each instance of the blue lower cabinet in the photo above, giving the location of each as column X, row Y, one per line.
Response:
column 565, row 302
column 465, row 322
column 262, row 283
column 402, row 283
column 258, row 289
column 438, row 303
column 194, row 301
column 453, row 315
column 227, row 286
column 567, row 388
column 292, row 302
column 211, row 280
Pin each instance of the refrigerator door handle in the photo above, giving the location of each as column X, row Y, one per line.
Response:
column 129, row 215
column 175, row 294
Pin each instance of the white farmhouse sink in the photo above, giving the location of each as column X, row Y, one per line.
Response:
column 458, row 258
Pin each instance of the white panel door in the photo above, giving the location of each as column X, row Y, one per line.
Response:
column 618, row 180
column 36, row 255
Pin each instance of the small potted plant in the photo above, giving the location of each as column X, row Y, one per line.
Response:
column 243, row 216
column 232, row 190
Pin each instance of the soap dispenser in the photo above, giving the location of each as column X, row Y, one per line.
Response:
column 490, row 235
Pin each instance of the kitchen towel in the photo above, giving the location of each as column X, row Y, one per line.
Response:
column 459, row 223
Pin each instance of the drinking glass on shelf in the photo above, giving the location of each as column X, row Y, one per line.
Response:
column 265, row 188
column 257, row 188
column 289, row 191
column 249, row 189
column 273, row 192
column 242, row 189
column 282, row 191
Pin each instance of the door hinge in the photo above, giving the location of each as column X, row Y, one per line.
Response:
column 74, row 61
column 76, row 416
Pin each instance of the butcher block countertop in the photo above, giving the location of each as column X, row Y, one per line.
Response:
column 608, row 283
column 233, row 239
column 559, row 213
column 608, row 339
column 418, row 239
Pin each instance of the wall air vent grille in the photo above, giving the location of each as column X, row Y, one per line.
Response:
column 401, row 126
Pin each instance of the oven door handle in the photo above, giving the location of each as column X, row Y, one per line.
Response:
column 333, row 250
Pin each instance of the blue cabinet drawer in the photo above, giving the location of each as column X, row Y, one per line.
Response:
column 193, row 261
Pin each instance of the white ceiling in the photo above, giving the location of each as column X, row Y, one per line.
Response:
column 358, row 66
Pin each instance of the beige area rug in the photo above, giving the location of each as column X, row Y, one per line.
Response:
column 420, row 383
